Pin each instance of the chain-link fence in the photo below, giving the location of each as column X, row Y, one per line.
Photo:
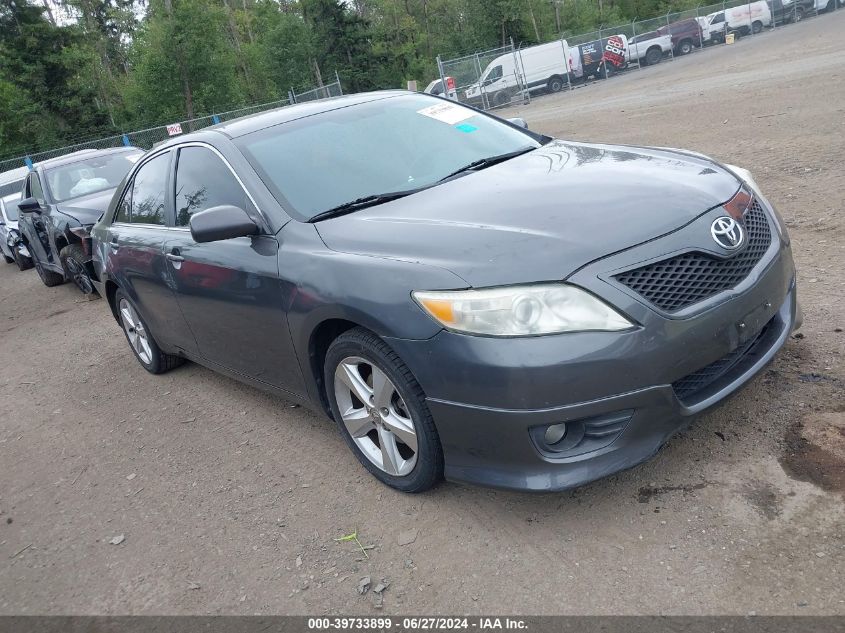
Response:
column 498, row 77
column 326, row 91
column 487, row 79
column 146, row 139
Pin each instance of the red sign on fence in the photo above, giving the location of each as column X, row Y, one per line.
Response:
column 174, row 130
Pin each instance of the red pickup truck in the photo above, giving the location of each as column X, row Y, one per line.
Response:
column 686, row 35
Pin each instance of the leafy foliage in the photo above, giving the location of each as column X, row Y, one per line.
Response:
column 106, row 66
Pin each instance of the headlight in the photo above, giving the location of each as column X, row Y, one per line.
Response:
column 521, row 310
column 748, row 179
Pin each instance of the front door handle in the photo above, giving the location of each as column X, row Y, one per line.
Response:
column 174, row 258
column 114, row 245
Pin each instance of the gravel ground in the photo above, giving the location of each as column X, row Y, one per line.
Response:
column 229, row 501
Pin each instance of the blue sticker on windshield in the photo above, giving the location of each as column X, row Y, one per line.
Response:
column 466, row 127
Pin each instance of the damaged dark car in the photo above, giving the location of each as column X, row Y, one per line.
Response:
column 62, row 199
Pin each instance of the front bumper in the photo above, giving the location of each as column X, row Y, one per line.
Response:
column 486, row 395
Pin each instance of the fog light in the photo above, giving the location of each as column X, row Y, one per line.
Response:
column 554, row 434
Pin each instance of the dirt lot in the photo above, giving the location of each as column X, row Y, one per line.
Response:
column 230, row 500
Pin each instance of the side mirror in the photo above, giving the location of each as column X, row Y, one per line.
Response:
column 29, row 205
column 221, row 223
column 519, row 122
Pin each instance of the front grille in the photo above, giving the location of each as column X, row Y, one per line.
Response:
column 689, row 386
column 678, row 282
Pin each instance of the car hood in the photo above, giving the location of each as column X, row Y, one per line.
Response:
column 541, row 216
column 87, row 209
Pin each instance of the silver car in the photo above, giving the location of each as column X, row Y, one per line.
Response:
column 11, row 246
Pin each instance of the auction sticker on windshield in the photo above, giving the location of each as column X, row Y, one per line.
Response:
column 447, row 112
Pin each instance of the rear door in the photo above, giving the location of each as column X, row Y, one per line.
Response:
column 229, row 291
column 135, row 252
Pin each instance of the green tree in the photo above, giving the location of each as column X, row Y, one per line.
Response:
column 182, row 62
column 47, row 94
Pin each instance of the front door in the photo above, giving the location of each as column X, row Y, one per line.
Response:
column 229, row 291
column 34, row 224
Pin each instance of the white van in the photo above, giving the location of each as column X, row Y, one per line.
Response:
column 744, row 19
column 542, row 67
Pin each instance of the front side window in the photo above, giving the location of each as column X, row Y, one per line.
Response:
column 204, row 181
column 396, row 144
column 495, row 74
column 90, row 175
column 719, row 18
column 148, row 193
column 34, row 188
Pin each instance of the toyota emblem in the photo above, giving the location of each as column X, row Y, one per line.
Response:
column 727, row 233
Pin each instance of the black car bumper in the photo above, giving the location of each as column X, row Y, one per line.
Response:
column 624, row 394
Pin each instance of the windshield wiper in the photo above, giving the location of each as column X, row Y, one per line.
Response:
column 484, row 163
column 363, row 203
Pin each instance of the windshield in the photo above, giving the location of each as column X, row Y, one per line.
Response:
column 391, row 145
column 91, row 175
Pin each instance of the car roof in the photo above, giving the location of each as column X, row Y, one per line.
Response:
column 285, row 114
column 13, row 175
column 82, row 154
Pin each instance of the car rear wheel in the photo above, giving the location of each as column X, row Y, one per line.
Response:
column 653, row 56
column 73, row 259
column 756, row 27
column 555, row 84
column 140, row 339
column 685, row 47
column 381, row 412
column 49, row 278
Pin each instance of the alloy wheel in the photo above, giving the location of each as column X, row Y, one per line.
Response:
column 79, row 275
column 135, row 332
column 375, row 415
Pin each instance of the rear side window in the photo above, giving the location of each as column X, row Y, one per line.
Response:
column 144, row 201
column 203, row 181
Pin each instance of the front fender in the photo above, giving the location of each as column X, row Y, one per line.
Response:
column 373, row 292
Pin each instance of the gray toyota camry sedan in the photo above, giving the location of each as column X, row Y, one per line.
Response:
column 465, row 298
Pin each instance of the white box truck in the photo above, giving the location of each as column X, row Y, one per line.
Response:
column 542, row 67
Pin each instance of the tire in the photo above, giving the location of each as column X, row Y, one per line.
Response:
column 799, row 14
column 24, row 263
column 73, row 260
column 756, row 27
column 502, row 98
column 390, row 460
column 9, row 260
column 135, row 329
column 555, row 84
column 685, row 47
column 653, row 56
column 49, row 278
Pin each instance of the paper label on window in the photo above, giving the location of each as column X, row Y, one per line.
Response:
column 447, row 112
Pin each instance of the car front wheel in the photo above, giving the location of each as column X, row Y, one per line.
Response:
column 381, row 411
column 140, row 339
column 73, row 260
column 23, row 262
